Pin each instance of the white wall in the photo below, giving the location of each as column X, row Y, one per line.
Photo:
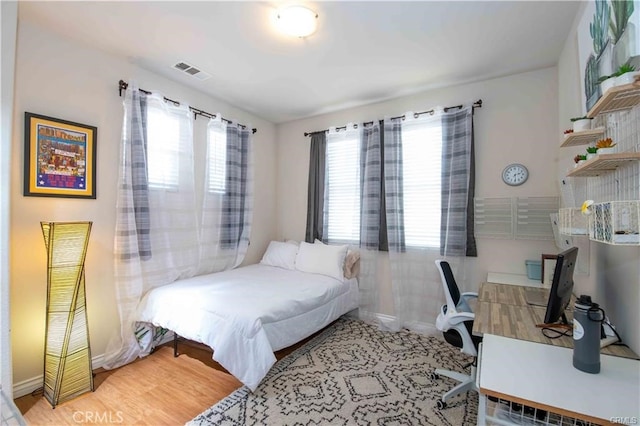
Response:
column 9, row 14
column 614, row 275
column 63, row 79
column 517, row 123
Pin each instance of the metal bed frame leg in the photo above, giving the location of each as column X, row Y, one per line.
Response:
column 175, row 345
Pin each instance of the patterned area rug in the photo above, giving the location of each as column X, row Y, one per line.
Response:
column 353, row 374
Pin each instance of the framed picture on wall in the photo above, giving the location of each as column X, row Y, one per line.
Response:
column 59, row 158
column 608, row 37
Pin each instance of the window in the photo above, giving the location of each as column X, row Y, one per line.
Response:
column 422, row 169
column 217, row 157
column 163, row 134
column 422, row 165
column 342, row 187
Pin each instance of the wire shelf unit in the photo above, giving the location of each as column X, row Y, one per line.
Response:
column 573, row 222
column 506, row 413
column 615, row 222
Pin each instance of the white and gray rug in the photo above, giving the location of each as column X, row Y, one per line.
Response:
column 353, row 374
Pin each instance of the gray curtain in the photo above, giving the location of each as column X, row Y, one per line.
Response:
column 370, row 187
column 138, row 168
column 458, row 183
column 315, row 194
column 472, row 248
column 235, row 220
column 383, row 239
column 393, row 186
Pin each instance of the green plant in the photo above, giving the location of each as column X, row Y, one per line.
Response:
column 622, row 11
column 625, row 68
column 600, row 26
column 592, row 150
column 605, row 77
column 579, row 157
column 584, row 117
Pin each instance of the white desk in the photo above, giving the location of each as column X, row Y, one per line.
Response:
column 543, row 376
column 513, row 279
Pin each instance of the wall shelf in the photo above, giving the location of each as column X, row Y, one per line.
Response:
column 584, row 137
column 603, row 164
column 494, row 218
column 617, row 99
column 522, row 218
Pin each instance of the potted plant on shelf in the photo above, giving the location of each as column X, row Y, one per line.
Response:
column 579, row 159
column 567, row 132
column 626, row 74
column 607, row 82
column 606, row 146
column 581, row 123
column 591, row 152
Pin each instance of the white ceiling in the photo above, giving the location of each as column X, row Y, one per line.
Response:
column 363, row 52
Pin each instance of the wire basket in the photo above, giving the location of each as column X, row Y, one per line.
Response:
column 506, row 413
column 615, row 222
column 573, row 222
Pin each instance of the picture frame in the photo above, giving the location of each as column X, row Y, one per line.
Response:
column 59, row 158
column 607, row 35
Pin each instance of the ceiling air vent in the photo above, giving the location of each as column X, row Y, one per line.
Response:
column 191, row 70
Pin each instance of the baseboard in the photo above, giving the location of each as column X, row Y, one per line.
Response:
column 27, row 386
column 390, row 323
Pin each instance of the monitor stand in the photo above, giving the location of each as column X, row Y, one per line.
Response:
column 563, row 324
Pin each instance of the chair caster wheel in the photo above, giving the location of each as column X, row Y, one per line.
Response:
column 434, row 376
column 441, row 404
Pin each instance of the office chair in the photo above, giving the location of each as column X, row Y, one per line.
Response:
column 456, row 322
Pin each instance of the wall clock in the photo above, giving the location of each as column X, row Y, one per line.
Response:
column 515, row 174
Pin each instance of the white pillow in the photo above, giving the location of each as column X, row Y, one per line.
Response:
column 280, row 254
column 321, row 259
column 351, row 267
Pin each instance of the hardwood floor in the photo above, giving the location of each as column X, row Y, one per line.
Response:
column 156, row 390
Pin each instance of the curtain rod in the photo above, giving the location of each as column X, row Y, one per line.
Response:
column 122, row 85
column 476, row 104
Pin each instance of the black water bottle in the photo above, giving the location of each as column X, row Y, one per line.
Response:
column 587, row 319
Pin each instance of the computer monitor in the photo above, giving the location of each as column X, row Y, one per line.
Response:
column 561, row 287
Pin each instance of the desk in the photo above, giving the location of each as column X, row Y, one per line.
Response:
column 519, row 364
column 543, row 377
column 503, row 310
column 514, row 279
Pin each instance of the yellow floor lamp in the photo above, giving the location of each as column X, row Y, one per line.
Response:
column 67, row 354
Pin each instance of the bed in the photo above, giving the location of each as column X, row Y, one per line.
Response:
column 247, row 313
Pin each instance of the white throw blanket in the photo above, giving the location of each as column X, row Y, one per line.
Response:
column 228, row 310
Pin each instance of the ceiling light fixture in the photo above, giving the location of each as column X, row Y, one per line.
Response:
column 297, row 21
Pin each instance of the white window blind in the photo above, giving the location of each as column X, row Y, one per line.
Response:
column 163, row 136
column 217, row 157
column 422, row 158
column 342, row 186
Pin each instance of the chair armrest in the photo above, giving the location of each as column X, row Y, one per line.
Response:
column 460, row 317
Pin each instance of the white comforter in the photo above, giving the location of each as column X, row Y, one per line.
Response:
column 227, row 312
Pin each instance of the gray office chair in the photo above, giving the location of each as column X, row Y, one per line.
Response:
column 456, row 322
